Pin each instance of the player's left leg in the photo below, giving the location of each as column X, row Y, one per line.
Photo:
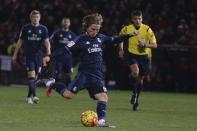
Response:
column 31, row 72
column 67, row 65
column 136, row 82
column 69, row 91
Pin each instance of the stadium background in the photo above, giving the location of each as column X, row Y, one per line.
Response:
column 174, row 23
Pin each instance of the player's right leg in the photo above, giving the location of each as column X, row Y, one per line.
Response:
column 32, row 86
column 135, row 82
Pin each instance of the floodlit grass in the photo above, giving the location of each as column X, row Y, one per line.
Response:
column 157, row 112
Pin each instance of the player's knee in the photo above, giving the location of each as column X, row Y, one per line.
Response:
column 59, row 77
column 101, row 97
column 135, row 74
column 68, row 94
column 31, row 74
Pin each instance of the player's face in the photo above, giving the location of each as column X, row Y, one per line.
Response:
column 93, row 29
column 137, row 21
column 66, row 23
column 35, row 19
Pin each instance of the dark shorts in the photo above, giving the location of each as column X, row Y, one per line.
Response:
column 92, row 83
column 142, row 61
column 34, row 63
column 62, row 64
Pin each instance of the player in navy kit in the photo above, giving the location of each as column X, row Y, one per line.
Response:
column 32, row 38
column 61, row 54
column 90, row 72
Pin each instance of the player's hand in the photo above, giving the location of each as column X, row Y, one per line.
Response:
column 121, row 54
column 135, row 33
column 142, row 42
column 14, row 58
column 45, row 60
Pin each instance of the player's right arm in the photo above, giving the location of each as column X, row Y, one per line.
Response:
column 18, row 47
column 121, row 50
column 19, row 44
column 121, row 45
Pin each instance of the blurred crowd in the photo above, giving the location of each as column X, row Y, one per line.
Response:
column 174, row 21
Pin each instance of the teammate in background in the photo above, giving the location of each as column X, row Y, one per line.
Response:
column 32, row 37
column 149, row 54
column 61, row 54
column 90, row 72
column 137, row 53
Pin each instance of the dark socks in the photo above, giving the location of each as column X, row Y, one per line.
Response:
column 139, row 88
column 101, row 109
column 32, row 87
column 68, row 80
column 59, row 87
column 135, row 83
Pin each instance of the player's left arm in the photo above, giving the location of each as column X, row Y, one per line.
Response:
column 46, row 57
column 151, row 41
column 47, row 45
column 121, row 38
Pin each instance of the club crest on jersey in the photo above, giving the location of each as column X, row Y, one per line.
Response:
column 61, row 35
column 40, row 31
column 29, row 31
column 87, row 42
column 99, row 40
column 69, row 36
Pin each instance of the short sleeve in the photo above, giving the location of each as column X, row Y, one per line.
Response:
column 52, row 38
column 22, row 34
column 46, row 33
column 123, row 31
column 151, row 36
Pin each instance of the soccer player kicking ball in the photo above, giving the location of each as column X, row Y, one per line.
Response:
column 90, row 73
column 137, row 54
column 32, row 38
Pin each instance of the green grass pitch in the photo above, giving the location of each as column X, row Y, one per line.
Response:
column 157, row 112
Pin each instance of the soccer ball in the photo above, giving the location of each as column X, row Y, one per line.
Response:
column 89, row 118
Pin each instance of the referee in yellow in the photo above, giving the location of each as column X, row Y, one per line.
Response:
column 137, row 54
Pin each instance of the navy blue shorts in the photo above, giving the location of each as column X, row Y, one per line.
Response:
column 91, row 82
column 142, row 61
column 62, row 64
column 34, row 64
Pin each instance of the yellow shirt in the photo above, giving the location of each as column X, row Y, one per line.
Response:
column 145, row 34
column 149, row 52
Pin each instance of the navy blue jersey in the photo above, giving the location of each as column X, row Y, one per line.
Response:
column 33, row 38
column 91, row 52
column 60, row 39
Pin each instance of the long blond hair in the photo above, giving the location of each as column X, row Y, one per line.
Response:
column 88, row 20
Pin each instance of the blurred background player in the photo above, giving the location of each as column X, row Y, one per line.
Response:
column 147, row 75
column 32, row 37
column 90, row 72
column 61, row 54
column 137, row 55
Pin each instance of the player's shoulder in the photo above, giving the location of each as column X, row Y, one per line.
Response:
column 146, row 27
column 100, row 35
column 71, row 32
column 57, row 31
column 127, row 28
column 27, row 26
column 80, row 37
column 43, row 27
